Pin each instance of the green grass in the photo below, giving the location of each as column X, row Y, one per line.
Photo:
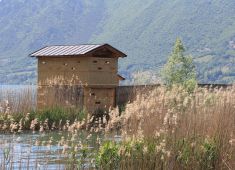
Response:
column 58, row 116
column 143, row 153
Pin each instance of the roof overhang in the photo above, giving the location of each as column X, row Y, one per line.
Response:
column 74, row 50
column 121, row 77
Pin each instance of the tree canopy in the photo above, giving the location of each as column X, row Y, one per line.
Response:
column 179, row 69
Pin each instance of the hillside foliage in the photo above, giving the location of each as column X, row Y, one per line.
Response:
column 144, row 30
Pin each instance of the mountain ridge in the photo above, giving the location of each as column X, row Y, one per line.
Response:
column 145, row 31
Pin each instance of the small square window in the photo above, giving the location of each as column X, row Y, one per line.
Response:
column 107, row 62
column 97, row 102
column 95, row 61
column 92, row 94
column 73, row 68
column 99, row 68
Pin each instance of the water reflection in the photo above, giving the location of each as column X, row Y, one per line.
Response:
column 44, row 151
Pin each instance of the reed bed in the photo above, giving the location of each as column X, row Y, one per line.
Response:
column 161, row 129
column 172, row 129
column 18, row 99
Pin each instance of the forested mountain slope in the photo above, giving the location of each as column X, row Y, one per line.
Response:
column 144, row 30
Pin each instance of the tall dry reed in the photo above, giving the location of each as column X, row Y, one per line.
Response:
column 175, row 118
column 18, row 99
column 59, row 91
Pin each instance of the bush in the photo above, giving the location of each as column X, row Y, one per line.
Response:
column 108, row 157
column 209, row 155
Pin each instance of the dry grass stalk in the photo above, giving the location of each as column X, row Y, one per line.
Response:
column 175, row 115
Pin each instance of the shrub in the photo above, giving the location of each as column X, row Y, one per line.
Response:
column 209, row 155
column 107, row 156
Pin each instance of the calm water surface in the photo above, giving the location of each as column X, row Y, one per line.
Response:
column 22, row 150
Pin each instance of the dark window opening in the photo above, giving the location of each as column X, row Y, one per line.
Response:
column 99, row 68
column 107, row 62
column 73, row 68
column 95, row 61
column 97, row 102
column 92, row 94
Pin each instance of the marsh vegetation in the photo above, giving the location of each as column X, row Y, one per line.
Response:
column 161, row 129
column 177, row 126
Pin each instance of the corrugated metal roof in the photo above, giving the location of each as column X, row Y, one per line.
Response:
column 63, row 50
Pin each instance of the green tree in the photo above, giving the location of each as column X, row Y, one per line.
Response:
column 179, row 69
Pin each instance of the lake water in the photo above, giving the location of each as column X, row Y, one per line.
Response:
column 33, row 151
